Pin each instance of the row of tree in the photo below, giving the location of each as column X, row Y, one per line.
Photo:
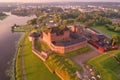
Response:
column 23, row 12
column 96, row 18
column 89, row 19
column 113, row 27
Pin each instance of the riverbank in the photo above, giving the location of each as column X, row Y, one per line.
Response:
column 32, row 64
column 11, row 72
column 3, row 16
column 18, row 28
column 18, row 69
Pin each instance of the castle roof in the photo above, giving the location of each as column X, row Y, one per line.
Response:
column 67, row 43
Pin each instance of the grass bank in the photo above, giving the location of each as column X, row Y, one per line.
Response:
column 106, row 31
column 11, row 72
column 78, row 52
column 107, row 66
column 21, row 28
column 63, row 66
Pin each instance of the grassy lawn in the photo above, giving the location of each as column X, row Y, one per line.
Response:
column 41, row 46
column 107, row 66
column 2, row 17
column 106, row 31
column 19, row 29
column 34, row 67
column 18, row 66
column 78, row 52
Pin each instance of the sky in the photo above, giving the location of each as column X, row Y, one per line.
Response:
column 59, row 0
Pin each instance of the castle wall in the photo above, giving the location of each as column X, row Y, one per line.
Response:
column 58, row 38
column 75, row 46
column 58, row 49
column 53, row 37
column 65, row 49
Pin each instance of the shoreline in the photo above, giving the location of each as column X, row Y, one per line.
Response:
column 20, row 41
column 11, row 40
column 16, row 54
column 11, row 71
column 3, row 16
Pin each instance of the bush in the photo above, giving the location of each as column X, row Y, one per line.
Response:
column 117, row 28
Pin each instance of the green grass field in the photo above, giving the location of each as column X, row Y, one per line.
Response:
column 35, row 69
column 2, row 17
column 106, row 31
column 41, row 46
column 107, row 66
column 19, row 29
column 78, row 52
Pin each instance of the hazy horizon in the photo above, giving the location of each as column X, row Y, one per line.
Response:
column 45, row 1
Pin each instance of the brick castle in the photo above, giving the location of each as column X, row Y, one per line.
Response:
column 64, row 40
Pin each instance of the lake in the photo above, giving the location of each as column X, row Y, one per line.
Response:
column 8, row 41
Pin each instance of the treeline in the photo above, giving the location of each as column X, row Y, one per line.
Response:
column 23, row 12
column 2, row 14
column 115, row 28
column 89, row 19
column 96, row 18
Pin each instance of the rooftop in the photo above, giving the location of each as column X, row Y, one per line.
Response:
column 67, row 43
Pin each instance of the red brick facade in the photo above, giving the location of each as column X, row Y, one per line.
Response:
column 53, row 37
column 65, row 49
column 49, row 37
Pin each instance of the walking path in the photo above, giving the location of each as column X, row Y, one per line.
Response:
column 22, row 63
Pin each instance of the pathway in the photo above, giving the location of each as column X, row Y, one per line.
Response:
column 22, row 63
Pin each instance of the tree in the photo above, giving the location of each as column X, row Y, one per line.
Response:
column 89, row 23
column 56, row 17
column 117, row 28
column 115, row 39
column 38, row 12
column 81, row 18
column 110, row 27
column 65, row 22
column 33, row 21
column 119, row 23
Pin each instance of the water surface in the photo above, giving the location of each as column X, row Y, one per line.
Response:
column 8, row 41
